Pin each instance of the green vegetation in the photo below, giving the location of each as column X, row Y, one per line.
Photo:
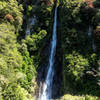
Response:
column 19, row 57
column 11, row 65
column 80, row 63
column 71, row 97
column 22, row 56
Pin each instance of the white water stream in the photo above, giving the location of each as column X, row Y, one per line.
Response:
column 90, row 31
column 47, row 85
column 93, row 46
column 90, row 35
column 31, row 22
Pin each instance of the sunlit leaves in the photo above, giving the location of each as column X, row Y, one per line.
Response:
column 34, row 41
column 12, row 8
column 76, row 64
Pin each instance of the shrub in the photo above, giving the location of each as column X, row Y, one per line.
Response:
column 75, row 65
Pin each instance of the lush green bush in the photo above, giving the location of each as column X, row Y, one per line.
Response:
column 28, row 69
column 15, row 67
column 44, row 18
column 35, row 41
column 10, row 60
column 84, row 97
column 79, row 57
column 76, row 64
column 12, row 8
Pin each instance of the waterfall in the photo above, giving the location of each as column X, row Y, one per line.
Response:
column 90, row 31
column 47, row 86
column 31, row 22
column 90, row 35
column 93, row 46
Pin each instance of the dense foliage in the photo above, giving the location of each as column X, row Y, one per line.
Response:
column 22, row 55
column 19, row 57
column 80, row 62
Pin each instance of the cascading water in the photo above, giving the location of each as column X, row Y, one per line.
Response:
column 90, row 31
column 31, row 22
column 47, row 86
column 93, row 46
column 90, row 35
